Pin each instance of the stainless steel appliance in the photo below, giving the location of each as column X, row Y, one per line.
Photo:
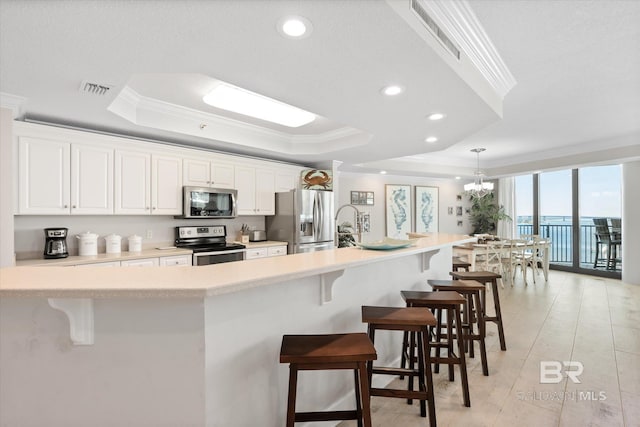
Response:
column 203, row 202
column 55, row 245
column 303, row 219
column 208, row 244
column 257, row 236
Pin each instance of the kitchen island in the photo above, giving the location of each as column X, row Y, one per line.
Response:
column 192, row 345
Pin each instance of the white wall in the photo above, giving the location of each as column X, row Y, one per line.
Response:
column 630, row 223
column 6, row 187
column 448, row 190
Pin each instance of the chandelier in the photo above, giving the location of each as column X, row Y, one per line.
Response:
column 478, row 187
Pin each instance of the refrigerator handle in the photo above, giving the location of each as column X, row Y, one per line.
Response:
column 317, row 216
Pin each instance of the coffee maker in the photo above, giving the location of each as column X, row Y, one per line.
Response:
column 55, row 245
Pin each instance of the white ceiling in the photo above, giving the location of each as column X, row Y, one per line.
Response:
column 577, row 67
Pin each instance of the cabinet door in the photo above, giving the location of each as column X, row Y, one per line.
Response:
column 166, row 185
column 197, row 173
column 222, row 175
column 245, row 179
column 255, row 253
column 145, row 262
column 91, row 180
column 44, row 177
column 276, row 250
column 265, row 192
column 285, row 181
column 132, row 183
column 175, row 261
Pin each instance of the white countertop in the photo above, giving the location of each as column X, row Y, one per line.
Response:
column 217, row 279
column 122, row 256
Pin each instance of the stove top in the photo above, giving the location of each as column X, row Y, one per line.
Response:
column 205, row 239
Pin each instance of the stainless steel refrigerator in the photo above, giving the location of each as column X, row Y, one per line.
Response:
column 303, row 219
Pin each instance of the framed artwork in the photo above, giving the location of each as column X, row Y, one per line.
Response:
column 458, row 210
column 316, row 179
column 362, row 198
column 397, row 201
column 450, row 210
column 426, row 209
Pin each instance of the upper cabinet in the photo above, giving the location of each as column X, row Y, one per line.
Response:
column 71, row 172
column 256, row 190
column 148, row 183
column 208, row 173
column 59, row 178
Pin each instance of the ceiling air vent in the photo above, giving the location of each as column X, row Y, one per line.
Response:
column 94, row 88
column 434, row 28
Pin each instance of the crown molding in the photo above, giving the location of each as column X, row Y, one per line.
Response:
column 460, row 23
column 155, row 113
column 14, row 103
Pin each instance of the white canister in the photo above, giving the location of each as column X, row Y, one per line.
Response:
column 87, row 244
column 114, row 243
column 135, row 243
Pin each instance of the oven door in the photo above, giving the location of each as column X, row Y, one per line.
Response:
column 217, row 257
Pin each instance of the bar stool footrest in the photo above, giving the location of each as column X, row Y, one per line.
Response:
column 402, row 394
column 326, row 416
column 395, row 371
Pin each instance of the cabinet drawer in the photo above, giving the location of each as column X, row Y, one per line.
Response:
column 255, row 253
column 145, row 262
column 101, row 264
column 276, row 250
column 173, row 261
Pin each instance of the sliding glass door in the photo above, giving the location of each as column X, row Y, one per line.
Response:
column 556, row 214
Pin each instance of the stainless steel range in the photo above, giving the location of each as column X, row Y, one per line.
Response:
column 209, row 244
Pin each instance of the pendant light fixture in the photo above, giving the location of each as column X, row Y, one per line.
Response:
column 478, row 187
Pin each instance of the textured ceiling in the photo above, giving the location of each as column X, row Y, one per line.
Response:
column 577, row 67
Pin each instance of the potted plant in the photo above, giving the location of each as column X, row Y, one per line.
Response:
column 485, row 213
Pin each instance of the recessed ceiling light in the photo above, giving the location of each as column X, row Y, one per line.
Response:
column 436, row 116
column 295, row 27
column 431, row 139
column 457, row 177
column 383, row 172
column 392, row 90
column 238, row 100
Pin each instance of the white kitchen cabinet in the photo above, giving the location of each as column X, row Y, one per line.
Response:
column 91, row 180
column 147, row 184
column 174, row 261
column 144, row 262
column 208, row 173
column 132, row 183
column 166, row 185
column 285, row 181
column 59, row 178
column 256, row 190
column 101, row 264
column 277, row 250
column 265, row 252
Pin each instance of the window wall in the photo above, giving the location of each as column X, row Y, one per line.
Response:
column 566, row 207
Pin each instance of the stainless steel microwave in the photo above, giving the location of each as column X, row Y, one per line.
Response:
column 204, row 202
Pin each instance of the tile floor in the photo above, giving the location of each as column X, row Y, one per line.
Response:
column 572, row 317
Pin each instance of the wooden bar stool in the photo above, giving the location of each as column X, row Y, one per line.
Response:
column 450, row 302
column 485, row 277
column 472, row 292
column 411, row 319
column 328, row 352
column 459, row 264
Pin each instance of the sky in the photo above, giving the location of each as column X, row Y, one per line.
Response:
column 600, row 189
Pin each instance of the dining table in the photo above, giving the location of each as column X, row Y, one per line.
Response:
column 472, row 251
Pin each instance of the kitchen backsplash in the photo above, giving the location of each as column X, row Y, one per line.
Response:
column 29, row 230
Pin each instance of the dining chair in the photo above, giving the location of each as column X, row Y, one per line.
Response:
column 520, row 258
column 492, row 258
column 604, row 239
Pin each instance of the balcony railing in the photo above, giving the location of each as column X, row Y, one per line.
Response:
column 562, row 242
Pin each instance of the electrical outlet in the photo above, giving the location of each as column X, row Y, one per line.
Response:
column 149, row 234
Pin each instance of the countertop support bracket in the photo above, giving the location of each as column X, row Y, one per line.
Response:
column 326, row 285
column 80, row 314
column 426, row 259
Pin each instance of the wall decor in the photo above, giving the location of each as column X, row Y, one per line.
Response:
column 426, row 209
column 459, row 223
column 459, row 197
column 316, row 179
column 450, row 210
column 362, row 198
column 458, row 210
column 397, row 210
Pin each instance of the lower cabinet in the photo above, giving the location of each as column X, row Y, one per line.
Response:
column 265, row 252
column 101, row 264
column 175, row 261
column 146, row 262
column 165, row 261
